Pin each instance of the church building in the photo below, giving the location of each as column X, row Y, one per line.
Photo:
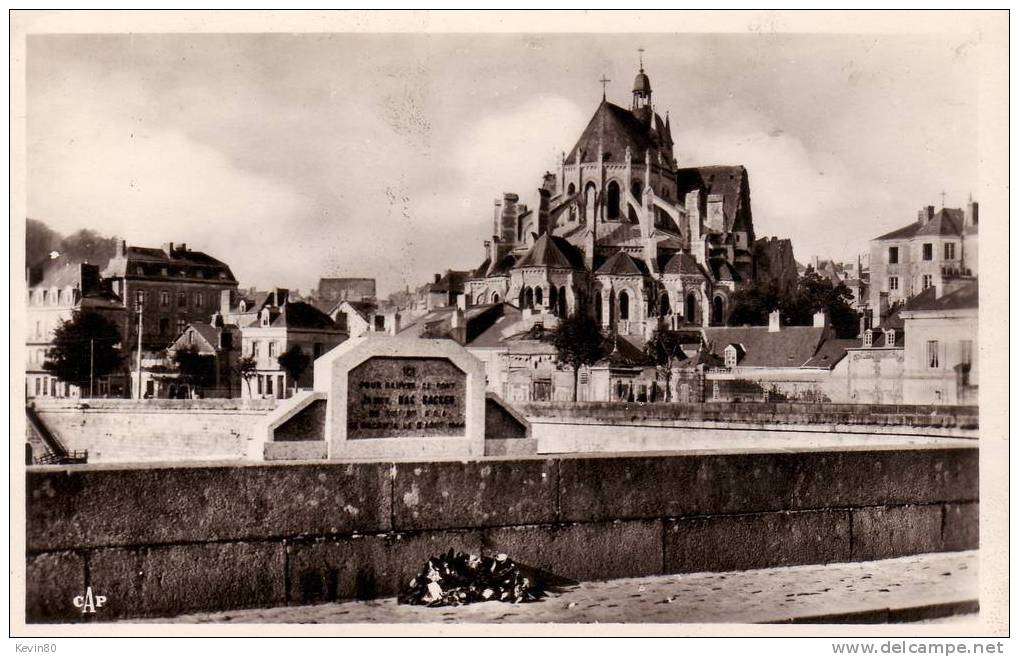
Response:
column 622, row 233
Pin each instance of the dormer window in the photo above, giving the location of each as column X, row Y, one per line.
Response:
column 265, row 317
column 890, row 338
column 732, row 353
column 868, row 338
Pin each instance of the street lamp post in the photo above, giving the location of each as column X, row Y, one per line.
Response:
column 139, row 305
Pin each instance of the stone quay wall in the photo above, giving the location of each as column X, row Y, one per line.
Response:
column 125, row 430
column 160, row 541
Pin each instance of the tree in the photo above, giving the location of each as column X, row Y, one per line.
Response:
column 196, row 369
column 664, row 350
column 813, row 293
column 84, row 348
column 752, row 305
column 247, row 369
column 578, row 342
column 294, row 362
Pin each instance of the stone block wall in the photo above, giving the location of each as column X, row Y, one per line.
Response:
column 161, row 541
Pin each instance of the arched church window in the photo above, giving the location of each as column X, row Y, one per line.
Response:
column 613, row 200
column 528, row 298
column 666, row 307
column 553, row 299
column 636, row 188
column 597, row 309
column 590, row 201
column 717, row 310
column 624, row 306
column 538, row 296
column 562, row 301
column 570, row 191
column 690, row 311
column 495, row 297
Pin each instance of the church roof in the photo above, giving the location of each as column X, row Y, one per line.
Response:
column 642, row 83
column 503, row 266
column 682, row 263
column 721, row 270
column 553, row 252
column 728, row 181
column 617, row 128
column 622, row 263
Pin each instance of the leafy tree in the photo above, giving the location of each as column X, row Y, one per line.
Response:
column 753, row 304
column 664, row 350
column 196, row 369
column 578, row 342
column 85, row 347
column 813, row 293
column 246, row 368
column 294, row 362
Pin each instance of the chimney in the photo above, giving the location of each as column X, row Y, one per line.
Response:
column 863, row 324
column 280, row 296
column 815, row 262
column 225, row 298
column 393, row 324
column 89, row 277
column 972, row 214
column 821, row 319
column 774, row 321
column 121, row 250
column 438, row 277
column 459, row 325
column 925, row 215
column 168, row 249
column 182, row 247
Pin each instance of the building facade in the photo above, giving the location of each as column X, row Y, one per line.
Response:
column 172, row 286
column 60, row 289
column 621, row 233
column 907, row 261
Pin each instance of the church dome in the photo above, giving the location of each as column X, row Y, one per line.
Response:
column 641, row 83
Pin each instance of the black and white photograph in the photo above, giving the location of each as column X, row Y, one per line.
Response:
column 583, row 323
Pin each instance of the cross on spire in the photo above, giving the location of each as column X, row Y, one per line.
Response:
column 604, row 82
column 942, row 200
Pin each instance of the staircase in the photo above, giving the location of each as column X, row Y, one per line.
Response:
column 56, row 452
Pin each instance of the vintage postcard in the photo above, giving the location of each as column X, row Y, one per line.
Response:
column 526, row 323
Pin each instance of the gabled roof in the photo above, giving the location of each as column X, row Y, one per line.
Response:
column 830, row 353
column 622, row 263
column 552, row 252
column 206, row 332
column 451, row 281
column 299, row 315
column 792, row 346
column 965, row 297
column 362, row 308
column 616, row 128
column 947, row 221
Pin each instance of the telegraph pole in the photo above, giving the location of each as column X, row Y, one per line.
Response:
column 91, row 367
column 139, row 306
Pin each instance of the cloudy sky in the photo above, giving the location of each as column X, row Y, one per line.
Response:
column 293, row 157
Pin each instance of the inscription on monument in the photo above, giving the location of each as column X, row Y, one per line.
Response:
column 405, row 398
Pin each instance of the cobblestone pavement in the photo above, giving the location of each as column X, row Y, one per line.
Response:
column 837, row 592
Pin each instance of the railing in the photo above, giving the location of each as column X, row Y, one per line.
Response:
column 49, row 458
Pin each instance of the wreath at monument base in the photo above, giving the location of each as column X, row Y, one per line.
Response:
column 454, row 579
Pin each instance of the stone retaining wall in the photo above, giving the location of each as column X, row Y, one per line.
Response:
column 161, row 541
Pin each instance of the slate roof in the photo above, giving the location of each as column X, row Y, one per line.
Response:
column 727, row 180
column 966, row 297
column 301, row 315
column 153, row 260
column 552, row 252
column 333, row 289
column 683, row 263
column 622, row 263
column 946, row 221
column 362, row 308
column 451, row 281
column 616, row 128
column 792, row 346
column 831, row 352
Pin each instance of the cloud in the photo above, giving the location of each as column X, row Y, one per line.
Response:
column 149, row 185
